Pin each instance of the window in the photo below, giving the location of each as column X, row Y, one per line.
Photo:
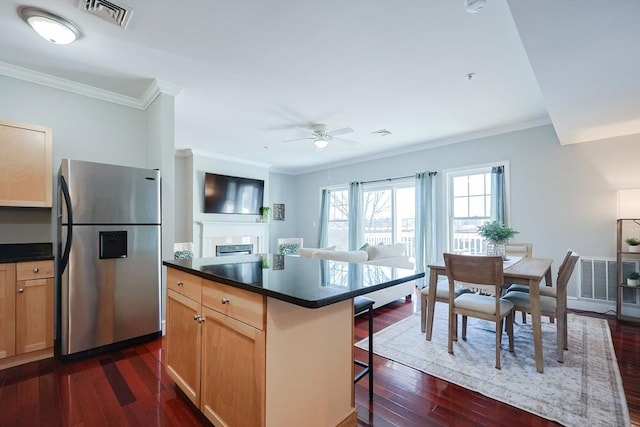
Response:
column 468, row 206
column 388, row 217
column 338, row 227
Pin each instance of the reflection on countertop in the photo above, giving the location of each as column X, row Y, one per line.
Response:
column 307, row 282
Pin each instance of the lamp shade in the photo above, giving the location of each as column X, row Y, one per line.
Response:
column 629, row 204
column 321, row 143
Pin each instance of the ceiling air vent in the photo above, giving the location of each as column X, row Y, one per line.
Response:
column 114, row 13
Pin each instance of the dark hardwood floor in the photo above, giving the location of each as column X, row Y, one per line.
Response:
column 130, row 388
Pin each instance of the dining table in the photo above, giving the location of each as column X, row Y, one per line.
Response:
column 525, row 271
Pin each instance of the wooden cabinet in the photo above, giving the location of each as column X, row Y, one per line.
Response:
column 7, row 310
column 184, row 340
column 245, row 359
column 233, row 370
column 26, row 174
column 26, row 312
column 627, row 261
column 215, row 345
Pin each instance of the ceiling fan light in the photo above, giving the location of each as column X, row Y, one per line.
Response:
column 50, row 27
column 321, row 143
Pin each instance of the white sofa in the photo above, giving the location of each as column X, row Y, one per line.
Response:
column 386, row 255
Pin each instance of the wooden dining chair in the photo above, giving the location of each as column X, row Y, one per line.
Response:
column 524, row 250
column 551, row 305
column 479, row 272
column 548, row 290
column 427, row 307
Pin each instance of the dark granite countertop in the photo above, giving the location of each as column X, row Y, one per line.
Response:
column 307, row 282
column 21, row 252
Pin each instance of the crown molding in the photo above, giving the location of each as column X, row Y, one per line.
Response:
column 187, row 152
column 155, row 88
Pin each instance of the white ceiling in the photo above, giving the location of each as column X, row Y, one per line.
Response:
column 255, row 73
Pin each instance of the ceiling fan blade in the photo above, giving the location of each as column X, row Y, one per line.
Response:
column 297, row 139
column 342, row 131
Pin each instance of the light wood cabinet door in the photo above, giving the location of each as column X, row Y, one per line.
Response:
column 233, row 371
column 26, row 173
column 183, row 344
column 34, row 315
column 7, row 310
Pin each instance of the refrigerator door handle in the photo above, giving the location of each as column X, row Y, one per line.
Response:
column 67, row 246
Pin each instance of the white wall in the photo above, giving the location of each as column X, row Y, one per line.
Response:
column 561, row 196
column 282, row 190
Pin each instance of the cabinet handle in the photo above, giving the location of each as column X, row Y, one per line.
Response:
column 35, row 270
column 201, row 319
column 20, row 290
column 196, row 317
column 180, row 283
column 224, row 300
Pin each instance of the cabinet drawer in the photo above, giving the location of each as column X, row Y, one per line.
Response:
column 242, row 305
column 34, row 270
column 184, row 283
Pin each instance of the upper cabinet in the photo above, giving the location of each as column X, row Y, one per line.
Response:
column 26, row 172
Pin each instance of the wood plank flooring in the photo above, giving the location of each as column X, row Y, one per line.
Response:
column 130, row 387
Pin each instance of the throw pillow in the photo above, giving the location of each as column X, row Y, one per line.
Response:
column 385, row 251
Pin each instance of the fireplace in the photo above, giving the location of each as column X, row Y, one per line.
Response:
column 228, row 250
column 237, row 234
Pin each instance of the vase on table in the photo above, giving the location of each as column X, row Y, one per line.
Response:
column 496, row 249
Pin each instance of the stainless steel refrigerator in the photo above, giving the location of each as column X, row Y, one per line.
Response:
column 108, row 256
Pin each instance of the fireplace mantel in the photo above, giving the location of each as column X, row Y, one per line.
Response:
column 214, row 233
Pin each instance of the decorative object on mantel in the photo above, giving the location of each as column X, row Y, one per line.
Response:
column 496, row 234
column 264, row 211
column 278, row 211
column 633, row 279
column 183, row 250
column 265, row 260
column 634, row 244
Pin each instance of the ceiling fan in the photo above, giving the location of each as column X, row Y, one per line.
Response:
column 321, row 136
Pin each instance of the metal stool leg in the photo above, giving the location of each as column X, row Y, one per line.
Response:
column 362, row 304
column 370, row 367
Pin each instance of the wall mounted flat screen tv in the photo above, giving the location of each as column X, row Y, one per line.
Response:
column 225, row 194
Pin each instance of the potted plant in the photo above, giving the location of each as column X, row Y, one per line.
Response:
column 496, row 234
column 633, row 279
column 634, row 244
column 265, row 213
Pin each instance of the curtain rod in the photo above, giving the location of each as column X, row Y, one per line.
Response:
column 393, row 179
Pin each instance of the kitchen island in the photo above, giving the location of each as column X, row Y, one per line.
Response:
column 267, row 340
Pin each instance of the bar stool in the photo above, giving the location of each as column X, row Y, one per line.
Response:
column 360, row 305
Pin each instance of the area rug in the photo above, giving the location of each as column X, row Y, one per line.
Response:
column 585, row 390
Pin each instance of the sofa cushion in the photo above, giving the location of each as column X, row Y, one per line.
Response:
column 306, row 252
column 351, row 256
column 385, row 251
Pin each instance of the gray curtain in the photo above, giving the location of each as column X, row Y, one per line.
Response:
column 425, row 240
column 323, row 234
column 498, row 202
column 356, row 212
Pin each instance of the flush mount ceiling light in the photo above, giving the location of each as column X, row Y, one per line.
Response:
column 49, row 26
